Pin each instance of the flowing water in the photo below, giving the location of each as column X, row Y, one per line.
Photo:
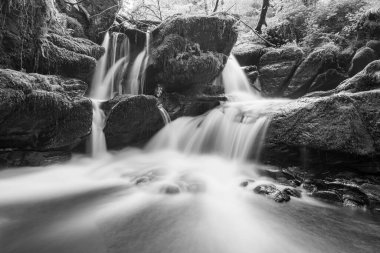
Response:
column 180, row 194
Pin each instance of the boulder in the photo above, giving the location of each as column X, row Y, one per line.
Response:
column 39, row 113
column 343, row 123
column 315, row 63
column 375, row 46
column 189, row 51
column 276, row 67
column 248, row 53
column 327, row 81
column 131, row 120
column 362, row 58
column 367, row 79
column 39, row 41
column 368, row 26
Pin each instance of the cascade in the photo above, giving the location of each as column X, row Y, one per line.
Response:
column 136, row 80
column 236, row 129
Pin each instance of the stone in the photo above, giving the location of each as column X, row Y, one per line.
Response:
column 320, row 60
column 188, row 52
column 328, row 80
column 343, row 122
column 131, row 120
column 292, row 192
column 367, row 79
column 272, row 192
column 178, row 105
column 330, row 196
column 362, row 58
column 32, row 158
column 42, row 113
column 248, row 53
column 375, row 46
column 276, row 67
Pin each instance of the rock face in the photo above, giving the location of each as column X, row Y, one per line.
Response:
column 41, row 113
column 189, row 51
column 248, row 53
column 131, row 120
column 276, row 67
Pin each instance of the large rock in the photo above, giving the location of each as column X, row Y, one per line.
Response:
column 317, row 62
column 328, row 80
column 248, row 53
column 131, row 120
column 362, row 58
column 40, row 113
column 189, row 51
column 276, row 67
column 34, row 37
column 341, row 123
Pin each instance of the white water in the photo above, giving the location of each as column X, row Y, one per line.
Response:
column 164, row 114
column 137, row 76
column 98, row 140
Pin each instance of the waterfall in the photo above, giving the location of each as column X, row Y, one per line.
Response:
column 164, row 114
column 98, row 140
column 136, row 80
column 236, row 129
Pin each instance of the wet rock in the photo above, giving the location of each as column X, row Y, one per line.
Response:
column 178, row 105
column 355, row 199
column 330, row 196
column 42, row 113
column 248, row 53
column 315, row 63
column 170, row 189
column 272, row 192
column 341, row 123
column 327, row 81
column 292, row 192
column 131, row 120
column 362, row 58
column 245, row 183
column 189, row 51
column 252, row 73
column 368, row 26
column 32, row 158
column 276, row 67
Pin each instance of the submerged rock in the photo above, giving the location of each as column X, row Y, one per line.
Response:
column 272, row 192
column 42, row 113
column 131, row 120
column 189, row 51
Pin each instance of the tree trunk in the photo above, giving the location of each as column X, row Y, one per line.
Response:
column 216, row 6
column 263, row 15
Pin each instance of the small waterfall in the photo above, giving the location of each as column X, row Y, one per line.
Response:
column 235, row 81
column 235, row 129
column 98, row 140
column 136, row 80
column 164, row 114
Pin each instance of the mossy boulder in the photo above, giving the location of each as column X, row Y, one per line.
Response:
column 362, row 58
column 40, row 113
column 189, row 51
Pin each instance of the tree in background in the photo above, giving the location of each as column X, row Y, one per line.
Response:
column 263, row 14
